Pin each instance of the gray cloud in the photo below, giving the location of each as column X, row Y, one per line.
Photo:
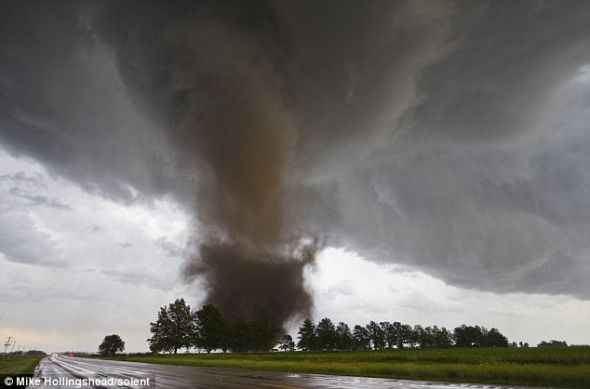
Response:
column 139, row 276
column 507, row 65
column 22, row 242
column 439, row 135
column 494, row 217
column 28, row 187
column 170, row 248
column 21, row 177
column 62, row 102
column 36, row 199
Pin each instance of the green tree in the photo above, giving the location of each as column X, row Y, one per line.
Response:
column 493, row 338
column 407, row 335
column 173, row 329
column 443, row 338
column 399, row 334
column 389, row 333
column 428, row 337
column 265, row 333
column 343, row 337
column 360, row 337
column 418, row 336
column 240, row 337
column 326, row 334
column 307, row 336
column 111, row 345
column 211, row 330
column 469, row 336
column 376, row 335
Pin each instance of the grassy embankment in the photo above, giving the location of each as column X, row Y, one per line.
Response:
column 563, row 367
column 19, row 365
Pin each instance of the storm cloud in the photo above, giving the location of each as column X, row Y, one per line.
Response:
column 449, row 137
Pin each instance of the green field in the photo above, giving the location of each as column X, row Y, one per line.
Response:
column 561, row 367
column 19, row 365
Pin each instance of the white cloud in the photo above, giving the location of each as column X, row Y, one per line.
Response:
column 86, row 284
column 350, row 289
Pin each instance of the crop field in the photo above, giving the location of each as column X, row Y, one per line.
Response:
column 551, row 367
column 19, row 365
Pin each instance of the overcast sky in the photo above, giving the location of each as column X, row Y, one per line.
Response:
column 437, row 152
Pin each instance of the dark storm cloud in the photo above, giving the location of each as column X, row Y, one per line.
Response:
column 61, row 101
column 473, row 222
column 444, row 136
column 508, row 63
column 495, row 216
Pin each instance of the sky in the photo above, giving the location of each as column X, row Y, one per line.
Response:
column 420, row 161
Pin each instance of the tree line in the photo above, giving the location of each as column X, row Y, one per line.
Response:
column 207, row 329
column 553, row 343
column 386, row 335
column 21, row 353
column 178, row 327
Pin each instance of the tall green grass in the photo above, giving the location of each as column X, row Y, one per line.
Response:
column 19, row 365
column 499, row 373
column 563, row 367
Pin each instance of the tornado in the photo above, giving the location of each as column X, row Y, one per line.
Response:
column 254, row 99
column 248, row 251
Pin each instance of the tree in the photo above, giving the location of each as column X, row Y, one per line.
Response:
column 376, row 335
column 493, row 338
column 360, row 337
column 265, row 333
column 399, row 336
column 427, row 337
column 553, row 343
column 443, row 338
column 174, row 328
column 407, row 336
column 211, row 330
column 469, row 336
column 240, row 337
column 476, row 336
column 111, row 345
column 418, row 336
column 389, row 333
column 326, row 334
column 343, row 337
column 307, row 336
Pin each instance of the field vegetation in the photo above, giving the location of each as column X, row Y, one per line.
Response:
column 20, row 364
column 549, row 367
